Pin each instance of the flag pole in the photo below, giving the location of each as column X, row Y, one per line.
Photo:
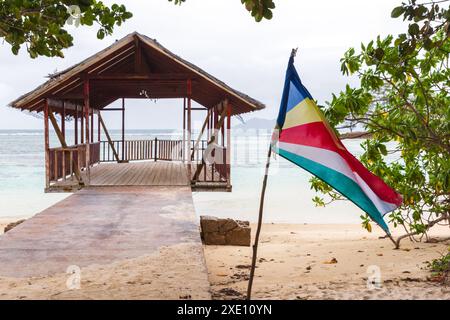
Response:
column 258, row 229
column 261, row 210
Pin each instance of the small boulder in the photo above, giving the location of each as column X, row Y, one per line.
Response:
column 227, row 225
column 209, row 224
column 214, row 238
column 239, row 237
column 217, row 231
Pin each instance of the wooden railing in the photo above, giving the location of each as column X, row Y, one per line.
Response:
column 216, row 168
column 63, row 161
column 154, row 149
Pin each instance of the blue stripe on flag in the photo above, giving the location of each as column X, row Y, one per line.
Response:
column 293, row 93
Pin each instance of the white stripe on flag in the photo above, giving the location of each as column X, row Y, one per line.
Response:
column 334, row 161
column 382, row 206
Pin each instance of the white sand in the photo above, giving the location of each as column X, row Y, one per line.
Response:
column 155, row 276
column 295, row 263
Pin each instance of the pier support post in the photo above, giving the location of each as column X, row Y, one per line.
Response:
column 76, row 125
column 82, row 125
column 63, row 119
column 228, row 154
column 92, row 125
column 123, row 129
column 86, row 115
column 189, row 130
column 108, row 137
column 47, row 146
column 200, row 135
column 98, row 126
column 218, row 123
column 62, row 141
column 183, row 150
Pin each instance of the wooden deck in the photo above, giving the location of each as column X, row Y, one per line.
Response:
column 143, row 173
column 108, row 224
column 146, row 173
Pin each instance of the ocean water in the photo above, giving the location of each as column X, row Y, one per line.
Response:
column 288, row 195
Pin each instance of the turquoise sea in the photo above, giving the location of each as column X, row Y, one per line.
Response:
column 288, row 196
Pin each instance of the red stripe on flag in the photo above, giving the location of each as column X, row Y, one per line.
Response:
column 316, row 134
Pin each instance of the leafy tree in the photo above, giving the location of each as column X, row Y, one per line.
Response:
column 40, row 24
column 259, row 9
column 403, row 102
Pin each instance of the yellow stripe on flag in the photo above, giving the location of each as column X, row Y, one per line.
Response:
column 305, row 112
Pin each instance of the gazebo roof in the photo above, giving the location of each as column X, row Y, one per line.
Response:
column 133, row 67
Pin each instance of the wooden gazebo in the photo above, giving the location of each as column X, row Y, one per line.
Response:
column 135, row 67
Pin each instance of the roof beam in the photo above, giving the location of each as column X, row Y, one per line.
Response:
column 151, row 76
column 137, row 56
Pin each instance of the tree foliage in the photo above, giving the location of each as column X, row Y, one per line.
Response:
column 259, row 9
column 41, row 26
column 403, row 101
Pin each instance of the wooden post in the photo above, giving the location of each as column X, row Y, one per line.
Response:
column 81, row 126
column 98, row 127
column 197, row 142
column 92, row 126
column 86, row 115
column 156, row 148
column 76, row 125
column 258, row 229
column 62, row 140
column 111, row 144
column 189, row 126
column 123, row 129
column 46, row 146
column 217, row 125
column 63, row 119
column 228, row 164
column 183, row 150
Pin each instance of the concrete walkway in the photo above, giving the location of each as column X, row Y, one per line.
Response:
column 102, row 226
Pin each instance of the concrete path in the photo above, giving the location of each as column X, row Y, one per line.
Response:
column 102, row 226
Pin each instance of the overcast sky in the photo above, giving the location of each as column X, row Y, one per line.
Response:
column 220, row 37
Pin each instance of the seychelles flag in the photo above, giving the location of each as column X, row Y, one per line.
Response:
column 306, row 139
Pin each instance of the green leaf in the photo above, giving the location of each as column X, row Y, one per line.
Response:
column 100, row 34
column 397, row 12
column 413, row 29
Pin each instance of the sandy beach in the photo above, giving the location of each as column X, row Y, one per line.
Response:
column 294, row 262
column 326, row 262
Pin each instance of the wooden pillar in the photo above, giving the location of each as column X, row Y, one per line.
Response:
column 92, row 126
column 63, row 119
column 189, row 127
column 76, row 125
column 46, row 146
column 63, row 142
column 98, row 126
column 211, row 123
column 225, row 106
column 123, row 129
column 183, row 150
column 82, row 126
column 108, row 137
column 228, row 154
column 86, row 115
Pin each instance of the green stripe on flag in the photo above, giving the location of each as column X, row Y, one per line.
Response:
column 340, row 182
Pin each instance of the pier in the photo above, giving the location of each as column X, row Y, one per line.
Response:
column 101, row 226
column 131, row 198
